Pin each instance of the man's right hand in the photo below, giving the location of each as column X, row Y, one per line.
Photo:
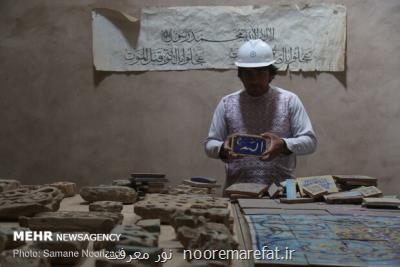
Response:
column 226, row 152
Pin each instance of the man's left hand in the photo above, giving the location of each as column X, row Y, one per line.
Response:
column 276, row 147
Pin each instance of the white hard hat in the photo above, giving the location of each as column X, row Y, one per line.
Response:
column 255, row 53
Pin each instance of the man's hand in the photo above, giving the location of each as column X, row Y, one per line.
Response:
column 277, row 147
column 226, row 150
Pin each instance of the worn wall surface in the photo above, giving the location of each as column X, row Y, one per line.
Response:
column 60, row 119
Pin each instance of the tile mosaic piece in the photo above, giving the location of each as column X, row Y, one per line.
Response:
column 325, row 181
column 328, row 240
column 249, row 145
column 374, row 253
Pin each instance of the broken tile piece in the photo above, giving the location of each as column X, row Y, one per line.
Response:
column 252, row 189
column 356, row 180
column 122, row 194
column 370, row 191
column 207, row 236
column 27, row 202
column 326, row 181
column 373, row 202
column 110, row 206
column 314, row 190
column 72, row 221
column 347, row 197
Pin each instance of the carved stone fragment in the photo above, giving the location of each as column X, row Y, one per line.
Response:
column 26, row 202
column 110, row 206
column 73, row 221
column 8, row 184
column 252, row 189
column 347, row 197
column 208, row 236
column 67, row 188
column 187, row 189
column 314, row 190
column 160, row 206
column 122, row 194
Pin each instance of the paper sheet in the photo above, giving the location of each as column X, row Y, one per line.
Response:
column 307, row 38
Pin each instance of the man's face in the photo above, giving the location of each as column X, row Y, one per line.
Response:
column 255, row 80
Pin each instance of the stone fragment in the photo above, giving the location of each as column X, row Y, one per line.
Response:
column 160, row 206
column 67, row 188
column 110, row 206
column 314, row 190
column 153, row 226
column 8, row 231
column 26, row 202
column 8, row 184
column 382, row 202
column 8, row 259
column 251, row 189
column 66, row 252
column 122, row 194
column 370, row 191
column 209, row 236
column 347, row 197
column 181, row 219
column 326, row 181
column 73, row 221
column 187, row 189
column 357, row 180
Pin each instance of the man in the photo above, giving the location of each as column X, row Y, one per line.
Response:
column 264, row 110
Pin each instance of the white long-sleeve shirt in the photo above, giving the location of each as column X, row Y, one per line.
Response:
column 303, row 140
